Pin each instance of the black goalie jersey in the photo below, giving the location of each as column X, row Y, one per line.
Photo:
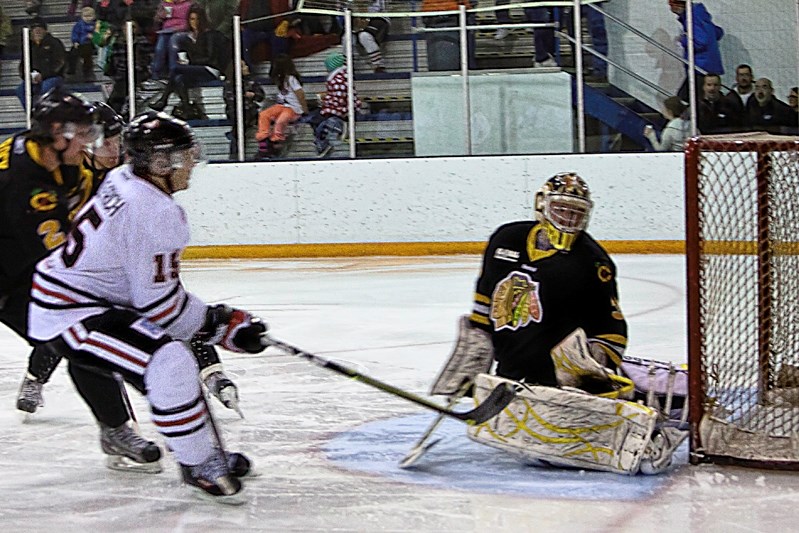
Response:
column 530, row 299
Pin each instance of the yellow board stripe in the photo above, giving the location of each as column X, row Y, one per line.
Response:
column 355, row 249
column 386, row 98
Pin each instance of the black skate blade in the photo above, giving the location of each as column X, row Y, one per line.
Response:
column 231, row 499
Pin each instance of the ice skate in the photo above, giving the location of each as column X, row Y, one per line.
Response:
column 214, row 480
column 128, row 451
column 30, row 395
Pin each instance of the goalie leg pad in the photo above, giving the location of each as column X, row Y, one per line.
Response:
column 566, row 428
column 472, row 355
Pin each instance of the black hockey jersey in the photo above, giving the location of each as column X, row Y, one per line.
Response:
column 529, row 300
column 36, row 207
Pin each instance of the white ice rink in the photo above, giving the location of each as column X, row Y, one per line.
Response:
column 327, row 447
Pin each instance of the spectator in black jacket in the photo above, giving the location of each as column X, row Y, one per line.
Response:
column 117, row 64
column 767, row 113
column 47, row 61
column 254, row 96
column 714, row 114
column 206, row 56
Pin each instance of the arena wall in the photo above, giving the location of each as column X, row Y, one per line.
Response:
column 422, row 206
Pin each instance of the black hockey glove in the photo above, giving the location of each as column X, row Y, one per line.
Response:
column 233, row 329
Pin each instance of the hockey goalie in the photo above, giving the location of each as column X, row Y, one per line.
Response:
column 546, row 316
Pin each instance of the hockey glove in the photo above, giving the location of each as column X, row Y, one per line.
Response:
column 232, row 329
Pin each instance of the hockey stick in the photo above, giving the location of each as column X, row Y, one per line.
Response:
column 421, row 446
column 499, row 398
column 126, row 399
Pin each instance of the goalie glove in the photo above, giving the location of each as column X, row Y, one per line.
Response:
column 232, row 329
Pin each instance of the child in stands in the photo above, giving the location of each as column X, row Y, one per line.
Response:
column 289, row 107
column 331, row 118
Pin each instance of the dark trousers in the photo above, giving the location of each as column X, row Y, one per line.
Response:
column 85, row 53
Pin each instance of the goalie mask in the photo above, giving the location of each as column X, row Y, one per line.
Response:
column 563, row 206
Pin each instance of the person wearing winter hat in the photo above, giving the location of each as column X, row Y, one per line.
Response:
column 331, row 118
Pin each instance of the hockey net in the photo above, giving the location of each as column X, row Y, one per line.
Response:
column 742, row 239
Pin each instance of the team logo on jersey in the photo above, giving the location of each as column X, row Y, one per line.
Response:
column 43, row 200
column 515, row 302
column 604, row 273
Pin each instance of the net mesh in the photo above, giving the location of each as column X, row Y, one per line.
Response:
column 747, row 268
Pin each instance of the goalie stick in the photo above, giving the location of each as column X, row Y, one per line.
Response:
column 422, row 445
column 497, row 400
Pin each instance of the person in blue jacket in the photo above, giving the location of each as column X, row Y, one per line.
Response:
column 82, row 47
column 706, row 42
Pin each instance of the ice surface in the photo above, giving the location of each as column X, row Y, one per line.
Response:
column 327, row 447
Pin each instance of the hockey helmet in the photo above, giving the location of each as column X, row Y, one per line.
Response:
column 157, row 144
column 75, row 114
column 563, row 206
column 108, row 151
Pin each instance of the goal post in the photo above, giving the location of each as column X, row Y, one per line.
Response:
column 742, row 262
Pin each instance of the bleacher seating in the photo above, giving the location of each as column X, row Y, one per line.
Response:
column 386, row 130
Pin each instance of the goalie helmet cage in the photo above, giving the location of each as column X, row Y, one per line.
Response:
column 742, row 259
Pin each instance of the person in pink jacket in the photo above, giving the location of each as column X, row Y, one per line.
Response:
column 173, row 15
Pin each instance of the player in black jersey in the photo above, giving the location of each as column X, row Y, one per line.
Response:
column 43, row 183
column 541, row 279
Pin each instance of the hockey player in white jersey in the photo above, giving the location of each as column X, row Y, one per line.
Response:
column 111, row 300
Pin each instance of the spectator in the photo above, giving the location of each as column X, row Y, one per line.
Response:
column 82, row 46
column 707, row 35
column 5, row 33
column 739, row 95
column 117, row 64
column 793, row 99
column 503, row 17
column 331, row 118
column 677, row 130
column 443, row 47
column 543, row 38
column 370, row 33
column 114, row 12
column 289, row 107
column 32, row 7
column 253, row 97
column 47, row 61
column 173, row 16
column 205, row 59
column 599, row 41
column 713, row 114
column 261, row 29
column 767, row 113
column 73, row 6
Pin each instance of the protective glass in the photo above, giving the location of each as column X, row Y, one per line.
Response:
column 187, row 158
column 106, row 147
column 86, row 134
column 567, row 213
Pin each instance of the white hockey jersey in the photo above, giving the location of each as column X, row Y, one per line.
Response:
column 123, row 251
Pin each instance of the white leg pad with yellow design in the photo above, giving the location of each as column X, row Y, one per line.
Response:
column 568, row 428
column 472, row 355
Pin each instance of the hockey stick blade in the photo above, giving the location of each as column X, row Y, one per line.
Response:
column 499, row 398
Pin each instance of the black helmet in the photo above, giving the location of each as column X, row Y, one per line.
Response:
column 58, row 105
column 112, row 122
column 151, row 136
